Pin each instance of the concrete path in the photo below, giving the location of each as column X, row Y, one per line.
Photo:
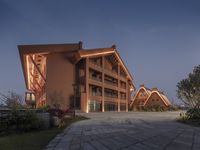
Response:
column 128, row 131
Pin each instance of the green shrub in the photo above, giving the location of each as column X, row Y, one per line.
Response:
column 43, row 108
column 183, row 117
column 32, row 122
column 192, row 117
column 193, row 113
column 21, row 121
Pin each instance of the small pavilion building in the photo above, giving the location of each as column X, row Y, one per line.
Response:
column 145, row 97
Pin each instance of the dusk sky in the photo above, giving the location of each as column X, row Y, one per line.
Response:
column 159, row 40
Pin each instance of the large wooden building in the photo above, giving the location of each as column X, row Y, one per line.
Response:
column 96, row 79
column 145, row 97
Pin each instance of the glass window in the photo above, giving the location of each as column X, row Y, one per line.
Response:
column 111, row 107
column 94, row 106
column 122, row 107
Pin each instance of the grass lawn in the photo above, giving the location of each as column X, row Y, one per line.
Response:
column 33, row 140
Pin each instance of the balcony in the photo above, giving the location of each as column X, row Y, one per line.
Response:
column 95, row 90
column 110, row 106
column 95, row 94
column 110, row 93
column 95, row 75
column 96, row 61
column 122, row 85
column 122, row 73
column 110, row 80
column 122, row 96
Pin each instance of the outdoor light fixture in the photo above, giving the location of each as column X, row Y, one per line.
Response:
column 30, row 98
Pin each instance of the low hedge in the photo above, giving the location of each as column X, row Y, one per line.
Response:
column 192, row 117
column 20, row 121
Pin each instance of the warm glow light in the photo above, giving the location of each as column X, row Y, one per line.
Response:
column 103, row 53
column 137, row 94
column 28, row 74
column 87, row 109
column 159, row 96
column 33, row 65
column 122, row 64
column 95, row 54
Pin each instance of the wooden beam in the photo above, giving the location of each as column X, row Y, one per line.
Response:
column 36, row 82
column 33, row 86
column 38, row 69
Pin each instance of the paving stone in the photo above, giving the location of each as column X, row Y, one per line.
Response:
column 75, row 147
column 140, row 146
column 109, row 144
column 158, row 142
column 197, row 139
column 99, row 146
column 87, row 146
column 184, row 139
column 178, row 146
column 49, row 148
column 196, row 147
column 128, row 131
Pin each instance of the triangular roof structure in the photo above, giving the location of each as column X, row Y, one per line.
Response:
column 103, row 51
column 150, row 92
column 142, row 88
column 165, row 99
column 161, row 95
column 75, row 50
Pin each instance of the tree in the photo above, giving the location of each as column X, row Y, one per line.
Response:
column 189, row 89
column 12, row 100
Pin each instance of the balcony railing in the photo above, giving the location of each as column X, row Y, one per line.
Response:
column 96, row 78
column 95, row 63
column 95, row 94
column 123, row 97
column 122, row 85
column 110, row 83
column 110, row 95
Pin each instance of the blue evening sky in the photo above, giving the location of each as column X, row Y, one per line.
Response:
column 159, row 40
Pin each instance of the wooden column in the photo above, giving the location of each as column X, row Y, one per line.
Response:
column 87, row 85
column 102, row 84
column 118, row 65
column 127, row 92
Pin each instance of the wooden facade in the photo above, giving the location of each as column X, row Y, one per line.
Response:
column 145, row 97
column 103, row 82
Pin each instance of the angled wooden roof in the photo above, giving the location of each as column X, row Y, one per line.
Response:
column 103, row 51
column 48, row 48
column 142, row 87
column 74, row 48
column 95, row 52
column 150, row 92
column 44, row 49
column 138, row 91
column 163, row 98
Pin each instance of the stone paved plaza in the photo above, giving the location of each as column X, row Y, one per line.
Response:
column 128, row 131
